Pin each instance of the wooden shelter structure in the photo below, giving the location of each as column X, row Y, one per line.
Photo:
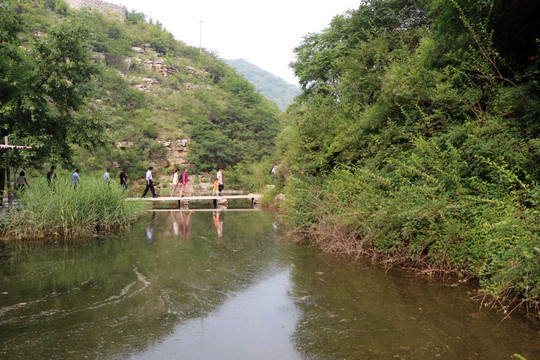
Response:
column 5, row 148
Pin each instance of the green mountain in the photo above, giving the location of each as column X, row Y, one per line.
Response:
column 269, row 85
column 91, row 85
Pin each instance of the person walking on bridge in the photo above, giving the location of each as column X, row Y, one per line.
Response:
column 219, row 179
column 185, row 186
column 149, row 183
column 175, row 181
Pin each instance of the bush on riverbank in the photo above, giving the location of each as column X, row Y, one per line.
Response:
column 438, row 224
column 62, row 213
column 416, row 138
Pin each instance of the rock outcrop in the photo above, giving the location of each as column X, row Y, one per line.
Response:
column 112, row 10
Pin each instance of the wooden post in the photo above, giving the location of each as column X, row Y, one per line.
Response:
column 6, row 148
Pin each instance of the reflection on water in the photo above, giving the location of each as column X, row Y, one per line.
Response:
column 194, row 285
column 218, row 222
column 150, row 228
column 186, row 217
column 257, row 323
column 181, row 217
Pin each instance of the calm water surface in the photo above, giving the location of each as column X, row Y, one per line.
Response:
column 228, row 285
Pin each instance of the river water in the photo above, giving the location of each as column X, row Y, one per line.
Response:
column 230, row 285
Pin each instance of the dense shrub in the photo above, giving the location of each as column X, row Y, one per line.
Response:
column 416, row 143
column 61, row 213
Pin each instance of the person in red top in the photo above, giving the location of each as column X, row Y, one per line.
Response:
column 185, row 180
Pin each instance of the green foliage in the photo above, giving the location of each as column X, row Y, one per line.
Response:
column 418, row 143
column 119, row 95
column 252, row 177
column 134, row 17
column 46, row 82
column 210, row 148
column 239, row 126
column 60, row 213
column 227, row 121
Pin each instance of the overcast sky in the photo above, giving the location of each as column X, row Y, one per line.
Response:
column 261, row 32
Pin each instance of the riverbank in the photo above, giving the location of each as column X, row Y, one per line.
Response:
column 60, row 213
column 494, row 240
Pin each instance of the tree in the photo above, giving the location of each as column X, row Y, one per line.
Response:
column 318, row 57
column 45, row 84
column 210, row 148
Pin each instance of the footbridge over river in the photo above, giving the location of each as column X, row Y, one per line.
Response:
column 221, row 201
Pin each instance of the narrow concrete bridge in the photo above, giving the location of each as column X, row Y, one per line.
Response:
column 221, row 201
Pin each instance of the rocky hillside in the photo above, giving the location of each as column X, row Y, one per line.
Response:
column 168, row 105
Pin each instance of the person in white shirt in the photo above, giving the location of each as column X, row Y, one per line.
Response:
column 175, row 181
column 274, row 172
column 149, row 182
column 107, row 177
column 75, row 178
column 21, row 181
column 220, row 180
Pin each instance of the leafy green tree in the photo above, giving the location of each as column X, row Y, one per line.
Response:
column 418, row 125
column 210, row 147
column 318, row 57
column 45, row 83
column 134, row 17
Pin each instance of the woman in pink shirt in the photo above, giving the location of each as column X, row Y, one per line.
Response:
column 185, row 180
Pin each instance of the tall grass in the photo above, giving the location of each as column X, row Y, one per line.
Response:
column 61, row 213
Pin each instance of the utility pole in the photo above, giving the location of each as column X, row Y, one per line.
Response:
column 200, row 33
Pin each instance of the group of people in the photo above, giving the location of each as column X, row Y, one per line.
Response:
column 185, row 217
column 184, row 180
column 75, row 177
column 180, row 180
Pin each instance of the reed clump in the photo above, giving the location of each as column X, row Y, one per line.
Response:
column 61, row 213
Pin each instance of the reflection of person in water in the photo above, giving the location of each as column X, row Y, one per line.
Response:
column 149, row 232
column 175, row 224
column 186, row 216
column 150, row 227
column 218, row 223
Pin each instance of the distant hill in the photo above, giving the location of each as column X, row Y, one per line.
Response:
column 269, row 85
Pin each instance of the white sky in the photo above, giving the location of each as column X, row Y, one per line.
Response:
column 261, row 32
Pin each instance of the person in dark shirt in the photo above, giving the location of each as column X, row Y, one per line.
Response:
column 51, row 175
column 123, row 179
